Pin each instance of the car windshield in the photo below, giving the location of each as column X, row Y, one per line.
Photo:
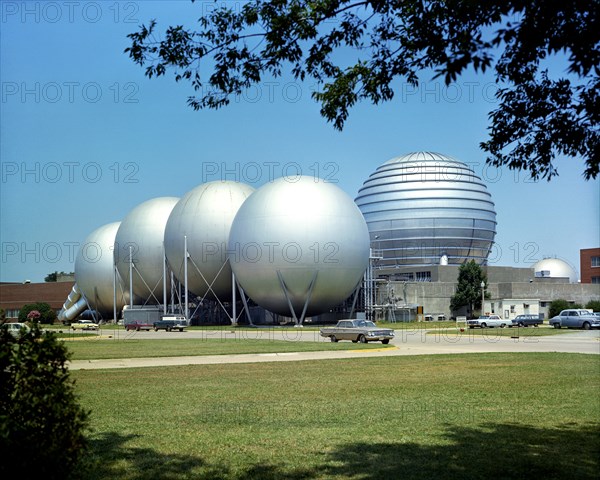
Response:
column 365, row 323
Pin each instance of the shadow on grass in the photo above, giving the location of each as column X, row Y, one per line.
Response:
column 489, row 451
column 110, row 457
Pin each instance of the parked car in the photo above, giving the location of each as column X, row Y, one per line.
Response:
column 362, row 331
column 137, row 326
column 84, row 325
column 169, row 323
column 575, row 318
column 488, row 321
column 15, row 329
column 526, row 320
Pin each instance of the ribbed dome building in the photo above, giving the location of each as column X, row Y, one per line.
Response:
column 426, row 208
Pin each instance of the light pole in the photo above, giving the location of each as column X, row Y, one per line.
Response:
column 482, row 285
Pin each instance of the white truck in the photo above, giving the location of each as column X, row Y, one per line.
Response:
column 575, row 318
column 488, row 321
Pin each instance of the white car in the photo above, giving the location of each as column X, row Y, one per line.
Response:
column 84, row 325
column 15, row 328
column 488, row 321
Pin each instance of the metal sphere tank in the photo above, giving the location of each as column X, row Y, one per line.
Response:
column 426, row 208
column 143, row 229
column 555, row 268
column 299, row 232
column 94, row 269
column 204, row 215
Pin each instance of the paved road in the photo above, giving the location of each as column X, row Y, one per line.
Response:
column 407, row 342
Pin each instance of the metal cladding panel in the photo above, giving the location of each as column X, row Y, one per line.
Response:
column 143, row 229
column 94, row 269
column 205, row 215
column 424, row 205
column 299, row 231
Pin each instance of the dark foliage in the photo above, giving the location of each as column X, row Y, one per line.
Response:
column 538, row 118
column 41, row 424
column 557, row 306
column 593, row 305
column 47, row 314
column 468, row 290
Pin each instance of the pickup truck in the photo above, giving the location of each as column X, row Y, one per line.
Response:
column 362, row 331
column 575, row 318
column 488, row 321
column 527, row 320
column 171, row 323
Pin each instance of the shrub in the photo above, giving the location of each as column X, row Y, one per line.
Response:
column 47, row 315
column 42, row 427
column 593, row 305
column 559, row 305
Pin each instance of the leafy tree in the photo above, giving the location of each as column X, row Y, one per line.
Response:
column 53, row 277
column 538, row 117
column 557, row 306
column 593, row 305
column 468, row 290
column 2, row 315
column 42, row 427
column 47, row 314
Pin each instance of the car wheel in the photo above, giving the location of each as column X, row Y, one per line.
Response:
column 503, row 325
column 471, row 327
column 73, row 328
column 521, row 324
column 155, row 329
column 556, row 325
column 137, row 329
column 333, row 339
column 483, row 325
column 181, row 329
column 362, row 339
column 586, row 325
column 386, row 341
column 354, row 341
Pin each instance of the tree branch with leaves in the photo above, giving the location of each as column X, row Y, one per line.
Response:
column 538, row 118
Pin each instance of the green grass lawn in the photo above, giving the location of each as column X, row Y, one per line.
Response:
column 522, row 415
column 89, row 348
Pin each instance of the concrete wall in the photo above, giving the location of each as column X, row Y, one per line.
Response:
column 505, row 283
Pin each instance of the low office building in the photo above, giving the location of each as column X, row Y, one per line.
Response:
column 13, row 296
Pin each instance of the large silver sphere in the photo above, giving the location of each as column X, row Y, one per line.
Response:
column 94, row 269
column 555, row 268
column 205, row 215
column 299, row 229
column 425, row 208
column 143, row 229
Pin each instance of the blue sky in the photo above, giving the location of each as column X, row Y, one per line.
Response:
column 85, row 137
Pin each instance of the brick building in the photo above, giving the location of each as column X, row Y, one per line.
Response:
column 14, row 295
column 589, row 265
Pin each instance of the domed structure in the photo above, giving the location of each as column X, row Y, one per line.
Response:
column 94, row 269
column 143, row 229
column 305, row 238
column 555, row 268
column 204, row 215
column 425, row 208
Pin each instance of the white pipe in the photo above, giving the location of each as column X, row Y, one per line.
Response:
column 73, row 310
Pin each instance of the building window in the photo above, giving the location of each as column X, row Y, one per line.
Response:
column 595, row 261
column 596, row 280
column 423, row 276
column 512, row 309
